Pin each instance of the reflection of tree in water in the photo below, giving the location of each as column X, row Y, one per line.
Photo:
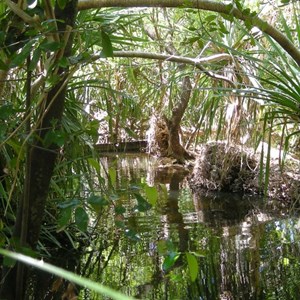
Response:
column 232, row 252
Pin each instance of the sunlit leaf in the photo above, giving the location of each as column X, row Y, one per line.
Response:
column 94, row 163
column 152, row 194
column 112, row 175
column 193, row 265
column 72, row 277
column 170, row 260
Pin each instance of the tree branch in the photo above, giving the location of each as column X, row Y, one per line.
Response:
column 197, row 62
column 227, row 9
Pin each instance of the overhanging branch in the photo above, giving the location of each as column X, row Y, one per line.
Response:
column 227, row 9
column 197, row 62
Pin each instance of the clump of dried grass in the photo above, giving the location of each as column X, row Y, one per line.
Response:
column 225, row 168
column 221, row 167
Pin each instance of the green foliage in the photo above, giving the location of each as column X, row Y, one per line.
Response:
column 193, row 265
column 142, row 205
column 77, row 279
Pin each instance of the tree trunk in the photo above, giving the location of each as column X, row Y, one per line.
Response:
column 175, row 148
column 41, row 164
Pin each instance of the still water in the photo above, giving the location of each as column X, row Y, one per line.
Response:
column 187, row 246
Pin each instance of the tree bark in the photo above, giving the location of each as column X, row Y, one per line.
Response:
column 175, row 149
column 227, row 9
column 41, row 163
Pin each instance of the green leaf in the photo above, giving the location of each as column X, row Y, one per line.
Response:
column 94, row 163
column 152, row 194
column 210, row 18
column 62, row 3
column 64, row 218
column 3, row 66
column 6, row 111
column 170, row 260
column 119, row 209
column 112, row 175
column 21, row 57
column 107, row 49
column 142, row 205
column 64, row 62
column 54, row 137
column 69, row 203
column 35, row 58
column 193, row 265
column 50, row 46
column 131, row 133
column 81, row 219
column 72, row 277
column 97, row 202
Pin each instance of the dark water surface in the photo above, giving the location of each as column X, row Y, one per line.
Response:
column 219, row 246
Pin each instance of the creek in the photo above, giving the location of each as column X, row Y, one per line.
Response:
column 188, row 246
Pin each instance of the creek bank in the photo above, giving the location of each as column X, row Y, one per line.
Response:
column 223, row 167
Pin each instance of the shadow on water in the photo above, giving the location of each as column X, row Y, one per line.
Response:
column 241, row 249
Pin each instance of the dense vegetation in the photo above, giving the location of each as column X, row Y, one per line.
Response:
column 77, row 73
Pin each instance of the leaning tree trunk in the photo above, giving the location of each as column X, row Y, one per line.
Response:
column 175, row 149
column 41, row 162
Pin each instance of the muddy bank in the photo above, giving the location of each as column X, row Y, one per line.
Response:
column 220, row 167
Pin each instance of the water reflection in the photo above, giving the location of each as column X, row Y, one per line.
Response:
column 243, row 250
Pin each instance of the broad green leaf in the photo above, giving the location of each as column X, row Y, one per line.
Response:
column 170, row 260
column 107, row 49
column 142, row 205
column 193, row 265
column 81, row 219
column 64, row 218
column 97, row 202
column 72, row 277
column 210, row 18
column 152, row 194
